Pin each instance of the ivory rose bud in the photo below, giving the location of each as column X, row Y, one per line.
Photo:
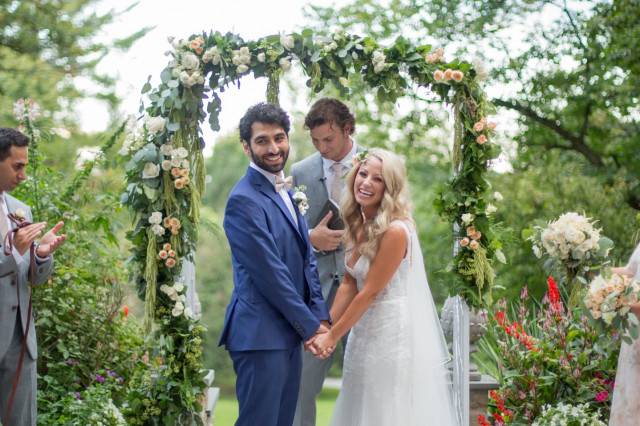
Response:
column 150, row 171
column 448, row 74
column 438, row 75
column 464, row 242
column 155, row 218
column 155, row 124
column 190, row 61
column 473, row 245
column 490, row 209
column 287, row 41
column 457, row 75
column 467, row 218
column 479, row 126
column 170, row 262
column 482, row 139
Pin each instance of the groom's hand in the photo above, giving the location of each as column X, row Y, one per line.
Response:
column 308, row 345
column 51, row 241
column 325, row 239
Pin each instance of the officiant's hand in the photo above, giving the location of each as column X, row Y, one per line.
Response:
column 325, row 239
column 51, row 241
column 24, row 237
column 308, row 345
column 324, row 345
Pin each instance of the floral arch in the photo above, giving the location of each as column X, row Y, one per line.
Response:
column 165, row 175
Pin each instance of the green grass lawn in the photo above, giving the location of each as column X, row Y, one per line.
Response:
column 227, row 409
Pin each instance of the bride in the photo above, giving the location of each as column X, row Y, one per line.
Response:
column 394, row 368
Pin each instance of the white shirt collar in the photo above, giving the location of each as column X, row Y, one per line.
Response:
column 346, row 161
column 268, row 175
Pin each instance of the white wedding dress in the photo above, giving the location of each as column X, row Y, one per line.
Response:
column 394, row 367
column 625, row 407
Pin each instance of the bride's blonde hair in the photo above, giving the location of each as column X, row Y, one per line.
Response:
column 394, row 205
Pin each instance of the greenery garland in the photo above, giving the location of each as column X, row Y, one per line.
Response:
column 166, row 172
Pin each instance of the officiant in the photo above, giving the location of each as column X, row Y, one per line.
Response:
column 331, row 126
column 23, row 263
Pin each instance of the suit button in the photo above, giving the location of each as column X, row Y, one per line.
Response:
column 14, row 307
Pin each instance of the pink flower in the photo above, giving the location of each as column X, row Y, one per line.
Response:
column 163, row 254
column 473, row 245
column 464, row 242
column 602, row 396
column 171, row 253
column 438, row 75
column 482, row 139
column 478, row 126
column 166, row 247
column 448, row 74
column 170, row 262
column 457, row 75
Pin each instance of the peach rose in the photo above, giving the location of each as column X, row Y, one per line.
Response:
column 166, row 222
column 473, row 245
column 186, row 180
column 457, row 75
column 178, row 183
column 184, row 172
column 170, row 262
column 479, row 126
column 438, row 75
column 163, row 254
column 175, row 231
column 482, row 139
column 476, row 235
column 464, row 242
column 166, row 247
column 176, row 172
column 448, row 74
column 175, row 222
column 171, row 253
column 471, row 230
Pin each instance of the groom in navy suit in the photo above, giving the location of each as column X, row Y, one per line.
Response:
column 276, row 303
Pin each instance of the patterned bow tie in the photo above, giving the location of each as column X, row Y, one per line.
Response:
column 283, row 183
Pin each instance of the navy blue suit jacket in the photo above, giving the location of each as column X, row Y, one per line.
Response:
column 276, row 301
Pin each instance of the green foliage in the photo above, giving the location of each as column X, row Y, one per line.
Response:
column 82, row 331
column 542, row 355
column 44, row 45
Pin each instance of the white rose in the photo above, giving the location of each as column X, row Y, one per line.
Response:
column 177, row 309
column 378, row 57
column 166, row 165
column 150, row 171
column 155, row 218
column 155, row 124
column 242, row 69
column 185, row 79
column 20, row 213
column 344, row 81
column 467, row 218
column 190, row 61
column 179, row 287
column 287, row 41
column 261, row 57
column 180, row 153
column 285, row 64
column 490, row 209
column 175, row 162
column 378, row 67
column 188, row 313
column 498, row 196
column 212, row 55
column 175, row 73
column 158, row 230
column 166, row 149
column 481, row 69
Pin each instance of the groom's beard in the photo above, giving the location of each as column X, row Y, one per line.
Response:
column 259, row 161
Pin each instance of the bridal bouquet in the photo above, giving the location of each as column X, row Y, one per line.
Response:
column 608, row 301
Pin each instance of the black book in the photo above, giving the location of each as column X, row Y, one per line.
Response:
column 335, row 222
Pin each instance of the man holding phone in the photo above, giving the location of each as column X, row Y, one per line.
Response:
column 331, row 125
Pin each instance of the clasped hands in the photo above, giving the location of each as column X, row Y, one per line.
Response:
column 323, row 343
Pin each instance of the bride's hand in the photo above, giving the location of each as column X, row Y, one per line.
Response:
column 324, row 345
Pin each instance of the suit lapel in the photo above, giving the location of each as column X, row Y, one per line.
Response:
column 265, row 187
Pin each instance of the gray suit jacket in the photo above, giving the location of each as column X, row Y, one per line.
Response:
column 310, row 173
column 15, row 289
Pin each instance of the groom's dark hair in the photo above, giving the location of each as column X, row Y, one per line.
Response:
column 332, row 111
column 263, row 113
column 9, row 138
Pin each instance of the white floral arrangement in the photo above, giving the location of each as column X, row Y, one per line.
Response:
column 572, row 239
column 176, row 292
column 608, row 301
column 563, row 414
column 300, row 199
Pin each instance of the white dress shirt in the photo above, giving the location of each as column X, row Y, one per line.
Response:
column 282, row 193
column 346, row 162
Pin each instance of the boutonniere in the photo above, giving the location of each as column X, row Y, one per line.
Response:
column 20, row 215
column 301, row 199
